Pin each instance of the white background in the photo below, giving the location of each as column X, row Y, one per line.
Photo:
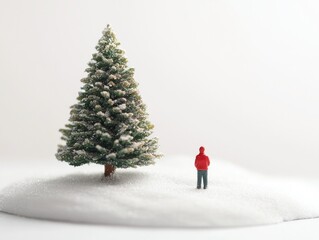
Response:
column 239, row 77
column 35, row 229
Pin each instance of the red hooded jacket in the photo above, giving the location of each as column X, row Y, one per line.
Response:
column 202, row 161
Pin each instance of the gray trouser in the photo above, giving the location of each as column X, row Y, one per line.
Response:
column 201, row 174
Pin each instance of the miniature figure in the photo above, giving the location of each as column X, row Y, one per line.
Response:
column 201, row 163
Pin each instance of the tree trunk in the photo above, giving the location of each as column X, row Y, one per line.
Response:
column 108, row 170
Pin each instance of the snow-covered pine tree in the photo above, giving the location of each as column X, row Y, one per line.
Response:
column 108, row 125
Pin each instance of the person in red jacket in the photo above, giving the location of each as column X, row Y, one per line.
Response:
column 201, row 163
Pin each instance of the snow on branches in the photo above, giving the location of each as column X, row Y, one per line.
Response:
column 108, row 124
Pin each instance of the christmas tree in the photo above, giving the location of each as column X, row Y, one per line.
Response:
column 108, row 125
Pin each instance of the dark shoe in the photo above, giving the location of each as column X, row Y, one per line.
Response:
column 205, row 187
column 198, row 187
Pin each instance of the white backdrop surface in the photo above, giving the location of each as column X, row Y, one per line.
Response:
column 239, row 77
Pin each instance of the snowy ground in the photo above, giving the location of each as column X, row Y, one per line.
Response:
column 162, row 195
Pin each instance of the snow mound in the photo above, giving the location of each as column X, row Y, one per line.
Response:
column 164, row 195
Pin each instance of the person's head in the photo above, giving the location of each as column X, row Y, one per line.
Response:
column 201, row 149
